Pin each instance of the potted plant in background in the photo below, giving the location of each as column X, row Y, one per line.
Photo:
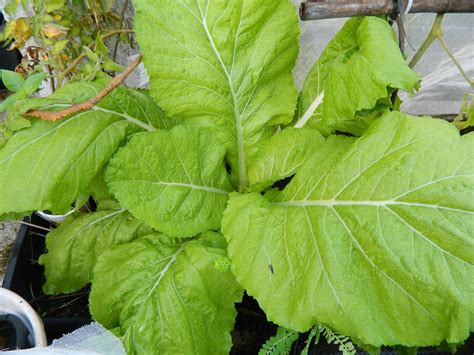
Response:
column 327, row 206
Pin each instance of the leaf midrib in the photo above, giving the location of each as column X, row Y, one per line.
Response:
column 159, row 277
column 331, row 204
column 125, row 116
column 373, row 203
column 205, row 188
column 238, row 117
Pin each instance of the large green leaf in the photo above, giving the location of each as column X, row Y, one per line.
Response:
column 355, row 72
column 73, row 248
column 167, row 297
column 175, row 181
column 222, row 64
column 372, row 237
column 281, row 155
column 46, row 166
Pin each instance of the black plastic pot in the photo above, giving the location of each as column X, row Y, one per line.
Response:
column 14, row 332
column 24, row 276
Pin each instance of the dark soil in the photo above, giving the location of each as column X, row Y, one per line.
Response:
column 251, row 328
column 73, row 305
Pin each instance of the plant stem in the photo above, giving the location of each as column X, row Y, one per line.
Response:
column 73, row 65
column 115, row 32
column 87, row 105
column 454, row 60
column 310, row 111
column 435, row 32
column 76, row 61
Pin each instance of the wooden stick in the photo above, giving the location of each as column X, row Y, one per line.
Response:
column 87, row 105
column 323, row 9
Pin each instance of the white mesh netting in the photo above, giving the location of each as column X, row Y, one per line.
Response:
column 92, row 339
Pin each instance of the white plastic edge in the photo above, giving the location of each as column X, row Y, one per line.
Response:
column 55, row 218
column 409, row 6
column 11, row 303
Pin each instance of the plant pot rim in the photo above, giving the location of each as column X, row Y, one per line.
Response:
column 11, row 303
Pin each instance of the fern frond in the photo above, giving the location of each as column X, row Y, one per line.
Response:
column 280, row 343
column 344, row 342
column 314, row 334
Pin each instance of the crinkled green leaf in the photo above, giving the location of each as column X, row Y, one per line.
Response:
column 46, row 166
column 373, row 237
column 356, row 72
column 167, row 297
column 175, row 181
column 224, row 64
column 281, row 155
column 73, row 248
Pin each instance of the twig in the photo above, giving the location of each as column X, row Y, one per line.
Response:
column 59, row 297
column 87, row 105
column 323, row 9
column 35, row 226
column 401, row 34
column 122, row 16
column 64, row 305
column 116, row 32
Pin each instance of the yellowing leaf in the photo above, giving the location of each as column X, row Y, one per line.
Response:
column 53, row 31
column 20, row 30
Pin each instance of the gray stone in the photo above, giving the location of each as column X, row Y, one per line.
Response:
column 8, row 232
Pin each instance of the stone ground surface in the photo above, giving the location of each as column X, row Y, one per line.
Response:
column 8, row 230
